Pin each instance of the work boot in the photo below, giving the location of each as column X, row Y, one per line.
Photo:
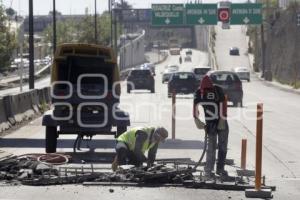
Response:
column 208, row 175
column 222, row 172
column 114, row 165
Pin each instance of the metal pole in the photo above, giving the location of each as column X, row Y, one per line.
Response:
column 31, row 46
column 96, row 31
column 263, row 50
column 173, row 114
column 111, row 22
column 244, row 154
column 21, row 67
column 115, row 32
column 259, row 133
column 54, row 26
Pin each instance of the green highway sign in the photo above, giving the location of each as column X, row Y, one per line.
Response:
column 167, row 14
column 246, row 13
column 201, row 14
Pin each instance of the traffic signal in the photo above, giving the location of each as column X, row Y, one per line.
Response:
column 298, row 19
column 224, row 15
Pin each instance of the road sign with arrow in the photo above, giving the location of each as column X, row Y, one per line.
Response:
column 201, row 14
column 167, row 14
column 246, row 13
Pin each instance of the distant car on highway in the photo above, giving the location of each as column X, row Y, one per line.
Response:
column 200, row 72
column 234, row 51
column 189, row 52
column 149, row 66
column 140, row 79
column 172, row 67
column 167, row 75
column 231, row 84
column 175, row 51
column 243, row 73
column 188, row 59
column 182, row 83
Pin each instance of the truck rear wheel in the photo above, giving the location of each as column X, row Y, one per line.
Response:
column 152, row 90
column 51, row 139
column 128, row 88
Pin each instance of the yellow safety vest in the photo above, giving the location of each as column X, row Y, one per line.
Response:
column 129, row 138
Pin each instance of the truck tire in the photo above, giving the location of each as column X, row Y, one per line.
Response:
column 235, row 104
column 240, row 104
column 152, row 90
column 128, row 89
column 120, row 130
column 51, row 139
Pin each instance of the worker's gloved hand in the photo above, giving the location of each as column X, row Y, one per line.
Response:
column 114, row 165
column 199, row 123
column 221, row 124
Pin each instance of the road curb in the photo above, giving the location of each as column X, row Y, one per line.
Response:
column 271, row 84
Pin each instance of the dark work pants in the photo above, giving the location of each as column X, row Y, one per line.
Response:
column 125, row 156
column 214, row 135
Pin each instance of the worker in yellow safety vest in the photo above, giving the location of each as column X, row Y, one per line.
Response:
column 132, row 145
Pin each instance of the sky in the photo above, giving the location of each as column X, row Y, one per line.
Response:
column 42, row 7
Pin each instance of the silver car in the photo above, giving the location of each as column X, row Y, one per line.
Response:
column 243, row 73
column 200, row 72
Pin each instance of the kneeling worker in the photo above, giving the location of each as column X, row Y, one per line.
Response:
column 132, row 145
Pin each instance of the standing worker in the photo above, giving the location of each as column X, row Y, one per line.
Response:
column 180, row 60
column 132, row 145
column 212, row 99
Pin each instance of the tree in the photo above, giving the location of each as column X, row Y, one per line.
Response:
column 10, row 12
column 123, row 5
column 81, row 31
column 7, row 41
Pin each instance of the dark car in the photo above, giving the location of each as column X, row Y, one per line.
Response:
column 182, row 83
column 200, row 72
column 234, row 51
column 231, row 85
column 189, row 52
column 149, row 66
column 140, row 79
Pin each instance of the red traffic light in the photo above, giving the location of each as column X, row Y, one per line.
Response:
column 224, row 14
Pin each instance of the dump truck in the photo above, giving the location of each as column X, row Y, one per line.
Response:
column 85, row 94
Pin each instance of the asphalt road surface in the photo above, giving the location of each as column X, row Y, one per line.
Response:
column 281, row 127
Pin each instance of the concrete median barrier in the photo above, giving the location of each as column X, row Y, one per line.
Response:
column 47, row 95
column 42, row 99
column 4, row 124
column 35, row 101
column 19, row 107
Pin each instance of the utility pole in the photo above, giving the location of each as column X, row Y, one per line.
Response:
column 115, row 32
column 96, row 31
column 111, row 21
column 21, row 65
column 31, row 46
column 263, row 50
column 54, row 27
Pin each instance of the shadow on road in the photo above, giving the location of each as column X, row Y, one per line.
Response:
column 94, row 144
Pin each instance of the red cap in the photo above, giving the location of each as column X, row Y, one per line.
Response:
column 206, row 84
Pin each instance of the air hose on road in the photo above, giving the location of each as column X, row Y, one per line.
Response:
column 203, row 152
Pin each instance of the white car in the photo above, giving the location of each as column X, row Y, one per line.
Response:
column 188, row 59
column 167, row 75
column 243, row 73
column 172, row 67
